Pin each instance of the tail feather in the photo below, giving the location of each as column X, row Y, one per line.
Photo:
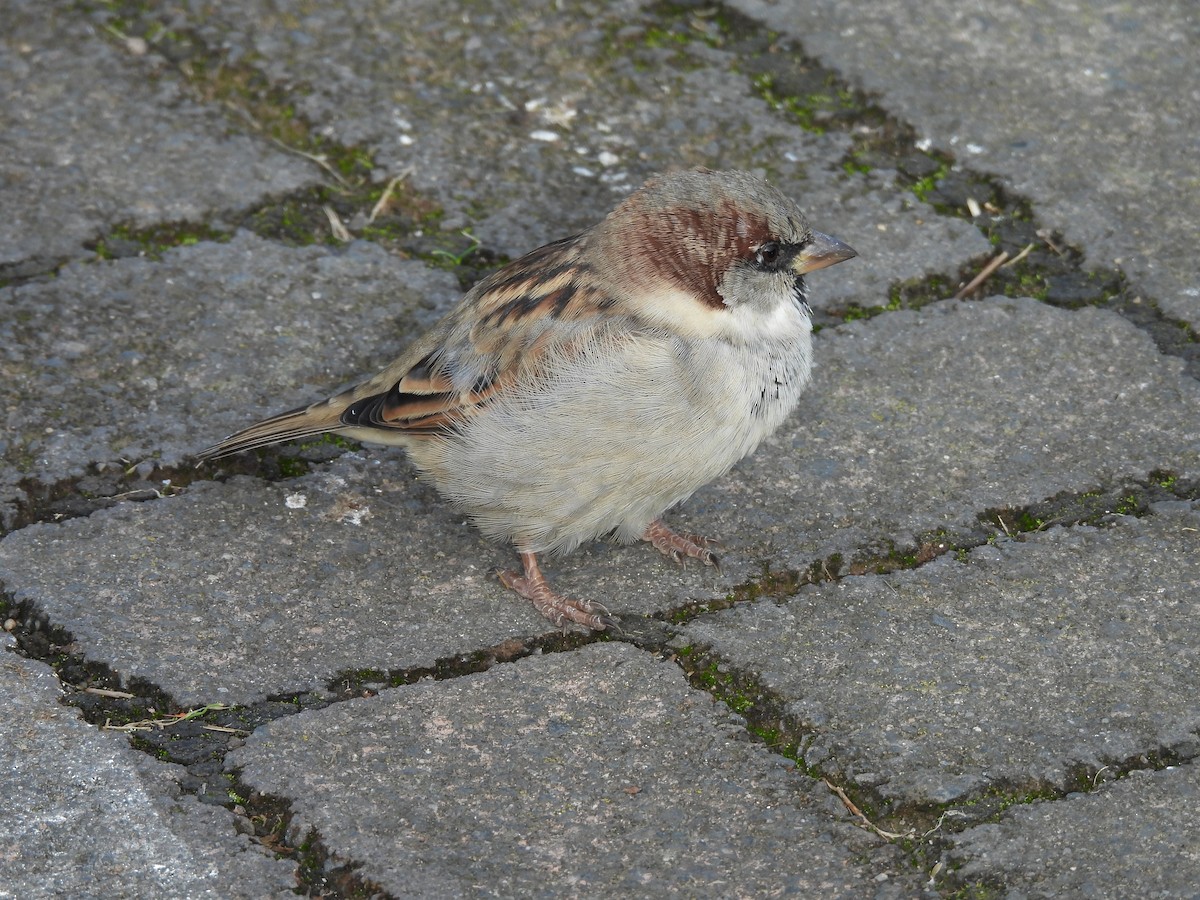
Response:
column 304, row 421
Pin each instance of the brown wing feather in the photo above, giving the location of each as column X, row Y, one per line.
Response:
column 480, row 348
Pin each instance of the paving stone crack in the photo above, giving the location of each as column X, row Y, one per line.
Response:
column 1098, row 508
column 922, row 830
column 160, row 727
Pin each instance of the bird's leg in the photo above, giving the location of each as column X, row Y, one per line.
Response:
column 680, row 546
column 555, row 607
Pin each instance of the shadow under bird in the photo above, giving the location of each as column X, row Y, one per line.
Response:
column 589, row 386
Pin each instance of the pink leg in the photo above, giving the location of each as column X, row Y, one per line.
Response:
column 680, row 546
column 555, row 607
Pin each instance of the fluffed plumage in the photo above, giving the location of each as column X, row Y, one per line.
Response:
column 599, row 380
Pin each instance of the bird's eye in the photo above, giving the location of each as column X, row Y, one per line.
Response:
column 768, row 253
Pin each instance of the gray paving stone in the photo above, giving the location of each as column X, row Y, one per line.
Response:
column 1011, row 669
column 93, row 138
column 527, row 147
column 1132, row 838
column 136, row 362
column 1091, row 110
column 86, row 816
column 593, row 771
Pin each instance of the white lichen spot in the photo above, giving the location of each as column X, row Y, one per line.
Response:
column 541, row 135
column 608, row 159
column 561, row 114
column 295, row 501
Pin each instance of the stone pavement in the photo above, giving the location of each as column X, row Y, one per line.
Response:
column 955, row 648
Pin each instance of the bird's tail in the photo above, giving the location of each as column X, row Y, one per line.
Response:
column 304, row 421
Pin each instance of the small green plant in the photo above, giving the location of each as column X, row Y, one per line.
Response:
column 454, row 260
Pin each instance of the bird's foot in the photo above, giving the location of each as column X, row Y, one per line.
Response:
column 681, row 546
column 554, row 606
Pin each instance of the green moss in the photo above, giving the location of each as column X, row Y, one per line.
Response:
column 1165, row 480
column 656, row 37
column 923, row 187
column 291, row 467
column 856, row 163
column 806, row 111
column 1128, row 505
column 154, row 241
column 330, row 440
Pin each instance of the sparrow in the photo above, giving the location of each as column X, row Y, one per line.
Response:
column 594, row 383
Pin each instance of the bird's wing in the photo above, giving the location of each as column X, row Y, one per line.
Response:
column 502, row 331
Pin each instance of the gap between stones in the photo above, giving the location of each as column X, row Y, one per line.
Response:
column 795, row 85
column 105, row 699
column 923, row 831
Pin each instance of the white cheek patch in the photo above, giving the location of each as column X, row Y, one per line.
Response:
column 681, row 313
column 750, row 323
column 744, row 323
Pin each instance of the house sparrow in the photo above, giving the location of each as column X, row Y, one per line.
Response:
column 594, row 383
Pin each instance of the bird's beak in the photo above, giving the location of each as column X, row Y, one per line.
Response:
column 820, row 252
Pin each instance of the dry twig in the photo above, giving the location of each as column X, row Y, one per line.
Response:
column 340, row 231
column 381, row 203
column 985, row 273
column 863, row 821
column 173, row 719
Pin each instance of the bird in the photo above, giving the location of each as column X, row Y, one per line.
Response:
column 584, row 389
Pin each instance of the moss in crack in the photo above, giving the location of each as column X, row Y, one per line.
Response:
column 911, row 294
column 319, row 872
column 1165, row 480
column 387, row 214
column 238, row 84
column 928, row 548
column 670, row 29
column 293, row 467
column 1095, row 508
column 368, row 682
column 102, row 487
column 127, row 240
column 768, row 585
column 152, row 720
column 108, row 485
column 977, row 890
column 1040, row 263
column 767, row 718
